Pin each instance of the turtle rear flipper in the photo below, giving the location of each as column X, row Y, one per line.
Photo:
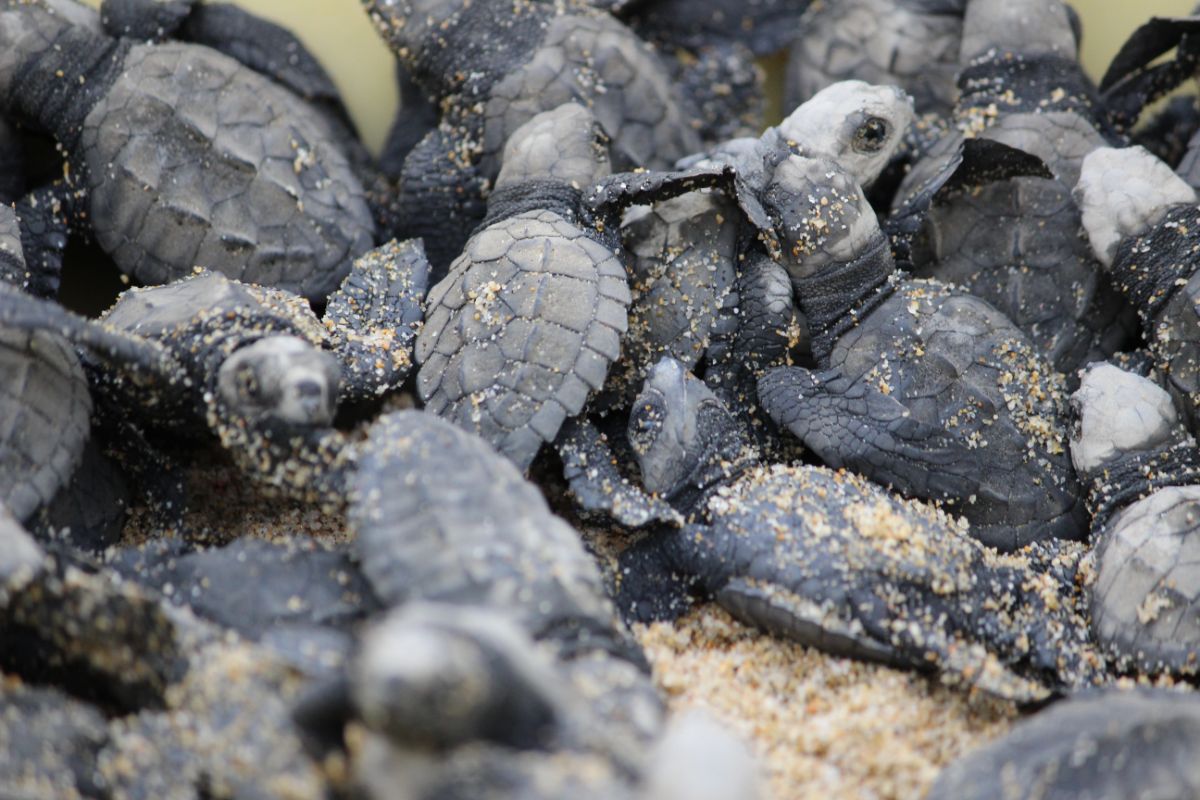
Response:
column 45, row 216
column 726, row 87
column 372, row 319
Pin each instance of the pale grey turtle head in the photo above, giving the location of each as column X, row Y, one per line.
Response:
column 530, row 317
column 276, row 201
column 686, row 441
column 1125, row 192
column 281, row 378
column 45, row 403
column 1030, row 27
column 432, row 675
column 1102, row 745
column 856, row 124
column 912, row 45
column 564, row 144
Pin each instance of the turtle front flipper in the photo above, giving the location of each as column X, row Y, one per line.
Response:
column 1135, row 77
column 144, row 20
column 45, row 216
column 438, row 198
column 373, row 319
column 614, row 193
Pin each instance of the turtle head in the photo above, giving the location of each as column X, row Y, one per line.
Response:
column 674, row 429
column 283, row 379
column 1118, row 413
column 819, row 213
column 1028, row 27
column 855, row 124
column 565, row 144
column 1125, row 192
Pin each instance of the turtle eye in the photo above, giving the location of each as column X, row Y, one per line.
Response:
column 248, row 384
column 872, row 135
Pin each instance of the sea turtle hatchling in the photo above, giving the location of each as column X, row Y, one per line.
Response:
column 523, row 328
column 1015, row 243
column 1100, row 745
column 1143, row 222
column 921, row 386
column 1144, row 489
column 833, row 561
column 243, row 178
column 494, row 66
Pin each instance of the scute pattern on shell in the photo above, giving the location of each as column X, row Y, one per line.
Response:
column 45, row 410
column 521, row 331
column 241, row 180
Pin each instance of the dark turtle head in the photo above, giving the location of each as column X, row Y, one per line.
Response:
column 281, row 379
column 682, row 436
column 819, row 213
column 1118, row 414
column 1125, row 192
column 564, row 144
column 1028, row 27
column 855, row 124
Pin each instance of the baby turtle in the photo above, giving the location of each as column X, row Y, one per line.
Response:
column 523, row 328
column 494, row 67
column 1097, row 745
column 1141, row 220
column 833, row 561
column 921, row 386
column 1015, row 243
column 262, row 195
column 1144, row 477
column 912, row 44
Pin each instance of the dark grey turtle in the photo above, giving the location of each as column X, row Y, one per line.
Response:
column 524, row 327
column 830, row 560
column 48, row 744
column 494, row 67
column 1144, row 477
column 259, row 44
column 921, row 386
column 1098, row 745
column 913, row 44
column 1141, row 220
column 261, row 195
column 253, row 586
column 1015, row 243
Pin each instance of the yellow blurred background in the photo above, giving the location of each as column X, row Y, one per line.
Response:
column 341, row 36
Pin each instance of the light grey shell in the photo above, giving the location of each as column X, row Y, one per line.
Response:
column 1102, row 746
column 194, row 160
column 877, row 41
column 1146, row 598
column 597, row 60
column 45, row 416
column 441, row 516
column 521, row 331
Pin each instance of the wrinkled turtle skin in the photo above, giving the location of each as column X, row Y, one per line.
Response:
column 1016, row 243
column 174, row 176
column 1098, row 745
column 912, row 44
column 920, row 386
column 46, row 408
column 497, row 67
column 1144, row 479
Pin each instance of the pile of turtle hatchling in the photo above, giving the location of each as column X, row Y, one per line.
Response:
column 912, row 376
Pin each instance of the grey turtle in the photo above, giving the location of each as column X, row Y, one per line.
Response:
column 262, row 195
column 48, row 743
column 1015, row 243
column 921, row 386
column 497, row 67
column 832, row 561
column 913, row 44
column 1144, row 478
column 1140, row 219
column 1098, row 745
column 523, row 328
